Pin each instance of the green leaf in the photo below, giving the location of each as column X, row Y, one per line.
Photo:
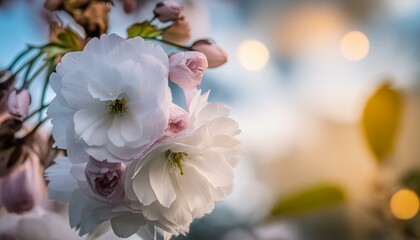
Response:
column 381, row 119
column 54, row 50
column 66, row 41
column 144, row 30
column 69, row 39
column 310, row 199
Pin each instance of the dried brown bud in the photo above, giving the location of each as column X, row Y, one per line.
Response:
column 53, row 5
column 71, row 5
column 179, row 32
column 129, row 6
column 94, row 19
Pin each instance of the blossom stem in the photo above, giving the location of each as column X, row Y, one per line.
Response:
column 27, row 82
column 170, row 43
column 153, row 19
column 30, row 64
column 16, row 60
column 46, row 81
column 35, row 112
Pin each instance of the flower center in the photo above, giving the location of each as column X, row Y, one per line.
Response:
column 117, row 107
column 175, row 159
column 106, row 184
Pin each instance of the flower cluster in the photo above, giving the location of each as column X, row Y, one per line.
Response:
column 128, row 155
column 135, row 158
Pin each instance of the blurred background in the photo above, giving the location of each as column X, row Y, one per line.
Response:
column 327, row 94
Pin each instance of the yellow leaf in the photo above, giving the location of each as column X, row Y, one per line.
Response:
column 381, row 119
column 317, row 197
column 144, row 30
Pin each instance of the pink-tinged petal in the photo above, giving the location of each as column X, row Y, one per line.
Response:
column 178, row 120
column 105, row 180
column 189, row 95
column 186, row 69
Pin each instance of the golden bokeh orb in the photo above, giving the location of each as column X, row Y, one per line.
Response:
column 404, row 204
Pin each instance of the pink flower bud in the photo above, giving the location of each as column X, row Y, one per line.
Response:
column 178, row 120
column 179, row 32
column 186, row 69
column 18, row 103
column 24, row 187
column 7, row 81
column 216, row 56
column 168, row 11
column 105, row 180
column 129, row 6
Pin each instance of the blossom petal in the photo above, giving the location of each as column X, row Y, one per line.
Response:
column 214, row 168
column 130, row 128
column 127, row 224
column 74, row 91
column 141, row 186
column 161, row 182
column 61, row 183
column 114, row 133
column 147, row 232
column 89, row 121
column 193, row 187
column 61, row 118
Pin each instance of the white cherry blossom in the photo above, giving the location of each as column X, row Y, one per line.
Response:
column 112, row 99
column 181, row 179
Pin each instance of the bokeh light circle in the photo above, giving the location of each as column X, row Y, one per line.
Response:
column 404, row 204
column 253, row 55
column 354, row 46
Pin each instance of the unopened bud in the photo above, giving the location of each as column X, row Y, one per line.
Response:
column 168, row 11
column 23, row 188
column 18, row 103
column 216, row 56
